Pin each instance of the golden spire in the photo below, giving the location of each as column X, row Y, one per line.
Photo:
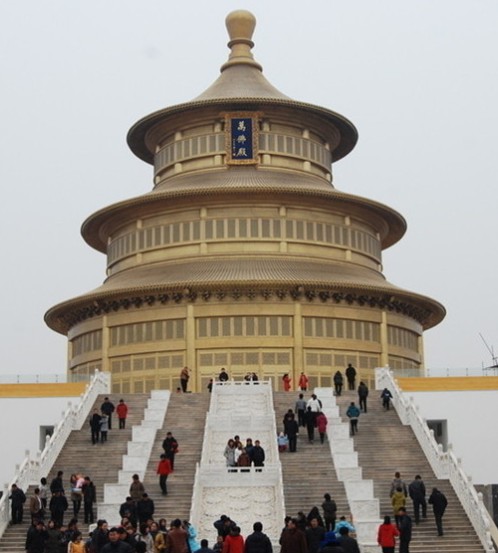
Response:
column 240, row 25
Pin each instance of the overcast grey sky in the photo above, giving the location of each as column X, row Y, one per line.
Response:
column 419, row 79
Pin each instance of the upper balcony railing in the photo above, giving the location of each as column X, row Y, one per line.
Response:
column 43, row 378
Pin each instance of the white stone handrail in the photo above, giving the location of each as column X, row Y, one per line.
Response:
column 31, row 470
column 444, row 465
column 73, row 419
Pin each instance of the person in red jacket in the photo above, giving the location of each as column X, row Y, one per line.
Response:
column 287, row 382
column 164, row 469
column 386, row 536
column 122, row 412
column 303, row 382
column 321, row 424
column 234, row 542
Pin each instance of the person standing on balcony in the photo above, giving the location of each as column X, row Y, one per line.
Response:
column 338, row 383
column 362, row 396
column 223, row 376
column 303, row 382
column 107, row 408
column 258, row 454
column 184, row 378
column 439, row 503
column 351, row 376
column 122, row 412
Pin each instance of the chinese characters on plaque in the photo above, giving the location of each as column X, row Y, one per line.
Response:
column 242, row 133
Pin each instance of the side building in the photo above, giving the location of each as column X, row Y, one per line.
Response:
column 244, row 255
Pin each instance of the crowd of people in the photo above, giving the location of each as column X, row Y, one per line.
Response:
column 52, row 501
column 402, row 526
column 101, row 420
column 239, row 455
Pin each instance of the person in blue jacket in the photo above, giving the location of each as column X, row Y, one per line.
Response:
column 353, row 414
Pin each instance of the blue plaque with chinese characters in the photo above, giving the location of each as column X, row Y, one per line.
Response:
column 241, row 138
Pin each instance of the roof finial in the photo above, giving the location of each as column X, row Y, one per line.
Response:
column 240, row 25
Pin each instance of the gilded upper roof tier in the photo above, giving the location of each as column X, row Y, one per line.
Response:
column 241, row 85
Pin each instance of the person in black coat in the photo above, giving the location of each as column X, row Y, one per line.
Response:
column 170, row 446
column 145, row 509
column 349, row 544
column 107, row 408
column 405, row 530
column 58, row 506
column 56, row 485
column 351, row 376
column 338, row 382
column 309, row 420
column 257, row 542
column 258, row 455
column 89, row 498
column 128, row 509
column 95, row 426
column 439, row 503
column 416, row 490
column 291, row 429
column 36, row 538
column 362, row 396
column 17, row 499
column 315, row 534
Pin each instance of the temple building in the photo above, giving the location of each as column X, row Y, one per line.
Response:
column 244, row 255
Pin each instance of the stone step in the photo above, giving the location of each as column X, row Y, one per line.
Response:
column 385, row 446
column 101, row 462
column 308, row 473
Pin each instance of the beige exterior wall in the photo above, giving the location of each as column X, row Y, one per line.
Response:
column 147, row 347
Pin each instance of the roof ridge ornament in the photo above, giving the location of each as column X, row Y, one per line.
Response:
column 240, row 25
